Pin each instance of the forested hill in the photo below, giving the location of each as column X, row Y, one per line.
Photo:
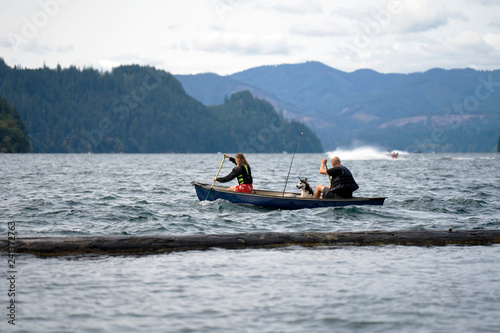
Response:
column 13, row 137
column 136, row 109
column 261, row 128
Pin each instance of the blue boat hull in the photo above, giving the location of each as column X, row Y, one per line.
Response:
column 274, row 199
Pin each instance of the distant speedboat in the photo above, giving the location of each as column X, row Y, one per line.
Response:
column 277, row 199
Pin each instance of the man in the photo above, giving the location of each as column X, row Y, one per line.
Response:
column 342, row 182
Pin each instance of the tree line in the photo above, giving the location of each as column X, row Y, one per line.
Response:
column 139, row 109
column 13, row 135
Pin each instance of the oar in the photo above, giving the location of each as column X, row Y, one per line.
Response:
column 329, row 178
column 217, row 175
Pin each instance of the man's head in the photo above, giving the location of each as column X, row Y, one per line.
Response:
column 335, row 161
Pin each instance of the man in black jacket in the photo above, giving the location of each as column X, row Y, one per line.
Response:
column 342, row 182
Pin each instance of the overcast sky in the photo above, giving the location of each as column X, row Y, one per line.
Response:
column 227, row 36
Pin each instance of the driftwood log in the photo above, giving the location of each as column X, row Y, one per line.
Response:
column 115, row 245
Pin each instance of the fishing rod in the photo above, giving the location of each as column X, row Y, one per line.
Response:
column 291, row 163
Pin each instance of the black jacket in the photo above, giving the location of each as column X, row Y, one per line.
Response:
column 342, row 179
column 244, row 174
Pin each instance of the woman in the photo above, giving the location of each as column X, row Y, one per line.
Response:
column 241, row 171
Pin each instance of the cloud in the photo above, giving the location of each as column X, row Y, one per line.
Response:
column 493, row 40
column 469, row 41
column 397, row 17
column 225, row 36
column 21, row 44
column 35, row 47
column 299, row 7
column 419, row 17
column 130, row 58
column 488, row 2
column 64, row 49
column 242, row 44
column 465, row 49
column 223, row 7
column 494, row 22
column 5, row 42
column 318, row 29
column 174, row 27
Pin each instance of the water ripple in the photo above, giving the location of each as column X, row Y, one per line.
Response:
column 102, row 194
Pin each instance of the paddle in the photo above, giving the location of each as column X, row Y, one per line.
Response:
column 217, row 175
column 326, row 168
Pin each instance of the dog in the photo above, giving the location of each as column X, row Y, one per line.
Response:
column 307, row 191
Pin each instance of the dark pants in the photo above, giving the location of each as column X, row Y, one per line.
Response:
column 337, row 194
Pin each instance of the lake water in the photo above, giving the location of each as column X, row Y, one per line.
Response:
column 295, row 289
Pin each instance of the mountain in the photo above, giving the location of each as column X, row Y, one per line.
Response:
column 438, row 110
column 135, row 109
column 13, row 136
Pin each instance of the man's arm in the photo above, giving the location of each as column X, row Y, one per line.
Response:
column 322, row 169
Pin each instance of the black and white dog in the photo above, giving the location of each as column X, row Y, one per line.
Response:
column 307, row 191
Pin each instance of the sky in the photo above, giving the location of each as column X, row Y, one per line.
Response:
column 228, row 36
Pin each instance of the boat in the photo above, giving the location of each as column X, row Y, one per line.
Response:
column 277, row 199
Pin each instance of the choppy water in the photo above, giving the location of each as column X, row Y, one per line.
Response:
column 351, row 289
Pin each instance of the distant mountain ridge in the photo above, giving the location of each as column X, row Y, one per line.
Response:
column 438, row 110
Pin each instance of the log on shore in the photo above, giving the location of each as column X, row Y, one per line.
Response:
column 115, row 245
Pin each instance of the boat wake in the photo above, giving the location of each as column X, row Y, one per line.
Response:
column 364, row 153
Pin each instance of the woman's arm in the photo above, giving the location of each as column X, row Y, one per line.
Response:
column 232, row 159
column 234, row 173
